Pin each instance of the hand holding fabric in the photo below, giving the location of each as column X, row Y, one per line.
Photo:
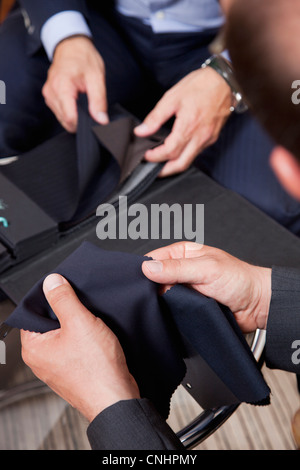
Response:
column 200, row 103
column 243, row 288
column 77, row 68
column 83, row 361
column 152, row 330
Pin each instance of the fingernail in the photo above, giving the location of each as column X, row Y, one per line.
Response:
column 142, row 129
column 193, row 246
column 102, row 118
column 52, row 282
column 32, row 334
column 154, row 266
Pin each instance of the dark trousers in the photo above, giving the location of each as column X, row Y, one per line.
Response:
column 140, row 67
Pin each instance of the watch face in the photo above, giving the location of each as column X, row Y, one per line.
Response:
column 241, row 107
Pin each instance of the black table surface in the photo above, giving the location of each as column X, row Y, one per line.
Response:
column 230, row 223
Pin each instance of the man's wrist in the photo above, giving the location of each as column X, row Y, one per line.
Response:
column 264, row 293
column 260, row 295
column 94, row 408
column 61, row 26
column 74, row 42
column 223, row 67
column 101, row 396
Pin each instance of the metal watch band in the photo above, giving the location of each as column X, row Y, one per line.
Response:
column 223, row 68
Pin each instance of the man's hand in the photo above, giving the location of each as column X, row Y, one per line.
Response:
column 77, row 68
column 201, row 105
column 243, row 288
column 83, row 361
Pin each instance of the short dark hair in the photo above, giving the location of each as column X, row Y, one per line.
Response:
column 264, row 44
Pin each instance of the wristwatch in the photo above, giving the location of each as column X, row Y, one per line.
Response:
column 224, row 68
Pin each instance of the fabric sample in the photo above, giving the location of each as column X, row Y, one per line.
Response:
column 62, row 182
column 112, row 286
column 70, row 175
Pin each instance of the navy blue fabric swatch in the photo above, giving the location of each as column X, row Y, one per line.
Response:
column 112, row 286
column 69, row 175
column 212, row 330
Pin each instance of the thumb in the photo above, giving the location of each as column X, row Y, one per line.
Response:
column 174, row 271
column 63, row 301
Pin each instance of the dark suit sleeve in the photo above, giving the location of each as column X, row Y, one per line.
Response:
column 40, row 11
column 37, row 12
column 283, row 328
column 132, row 425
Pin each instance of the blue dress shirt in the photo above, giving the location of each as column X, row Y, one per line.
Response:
column 164, row 16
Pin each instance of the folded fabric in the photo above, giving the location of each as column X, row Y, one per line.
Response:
column 214, row 334
column 151, row 327
column 70, row 175
column 59, row 185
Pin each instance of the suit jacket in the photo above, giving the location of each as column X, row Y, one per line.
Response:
column 36, row 13
column 132, row 425
column 283, row 328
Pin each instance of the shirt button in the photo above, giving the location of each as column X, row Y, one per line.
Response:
column 160, row 15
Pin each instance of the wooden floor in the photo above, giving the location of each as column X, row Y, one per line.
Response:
column 250, row 427
column 45, row 422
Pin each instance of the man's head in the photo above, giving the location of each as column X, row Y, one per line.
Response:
column 264, row 43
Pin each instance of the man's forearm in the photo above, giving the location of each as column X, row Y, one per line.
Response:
column 61, row 26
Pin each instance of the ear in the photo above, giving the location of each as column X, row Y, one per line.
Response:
column 226, row 5
column 287, row 170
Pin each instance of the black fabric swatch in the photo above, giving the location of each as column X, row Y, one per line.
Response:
column 149, row 326
column 62, row 182
column 70, row 175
